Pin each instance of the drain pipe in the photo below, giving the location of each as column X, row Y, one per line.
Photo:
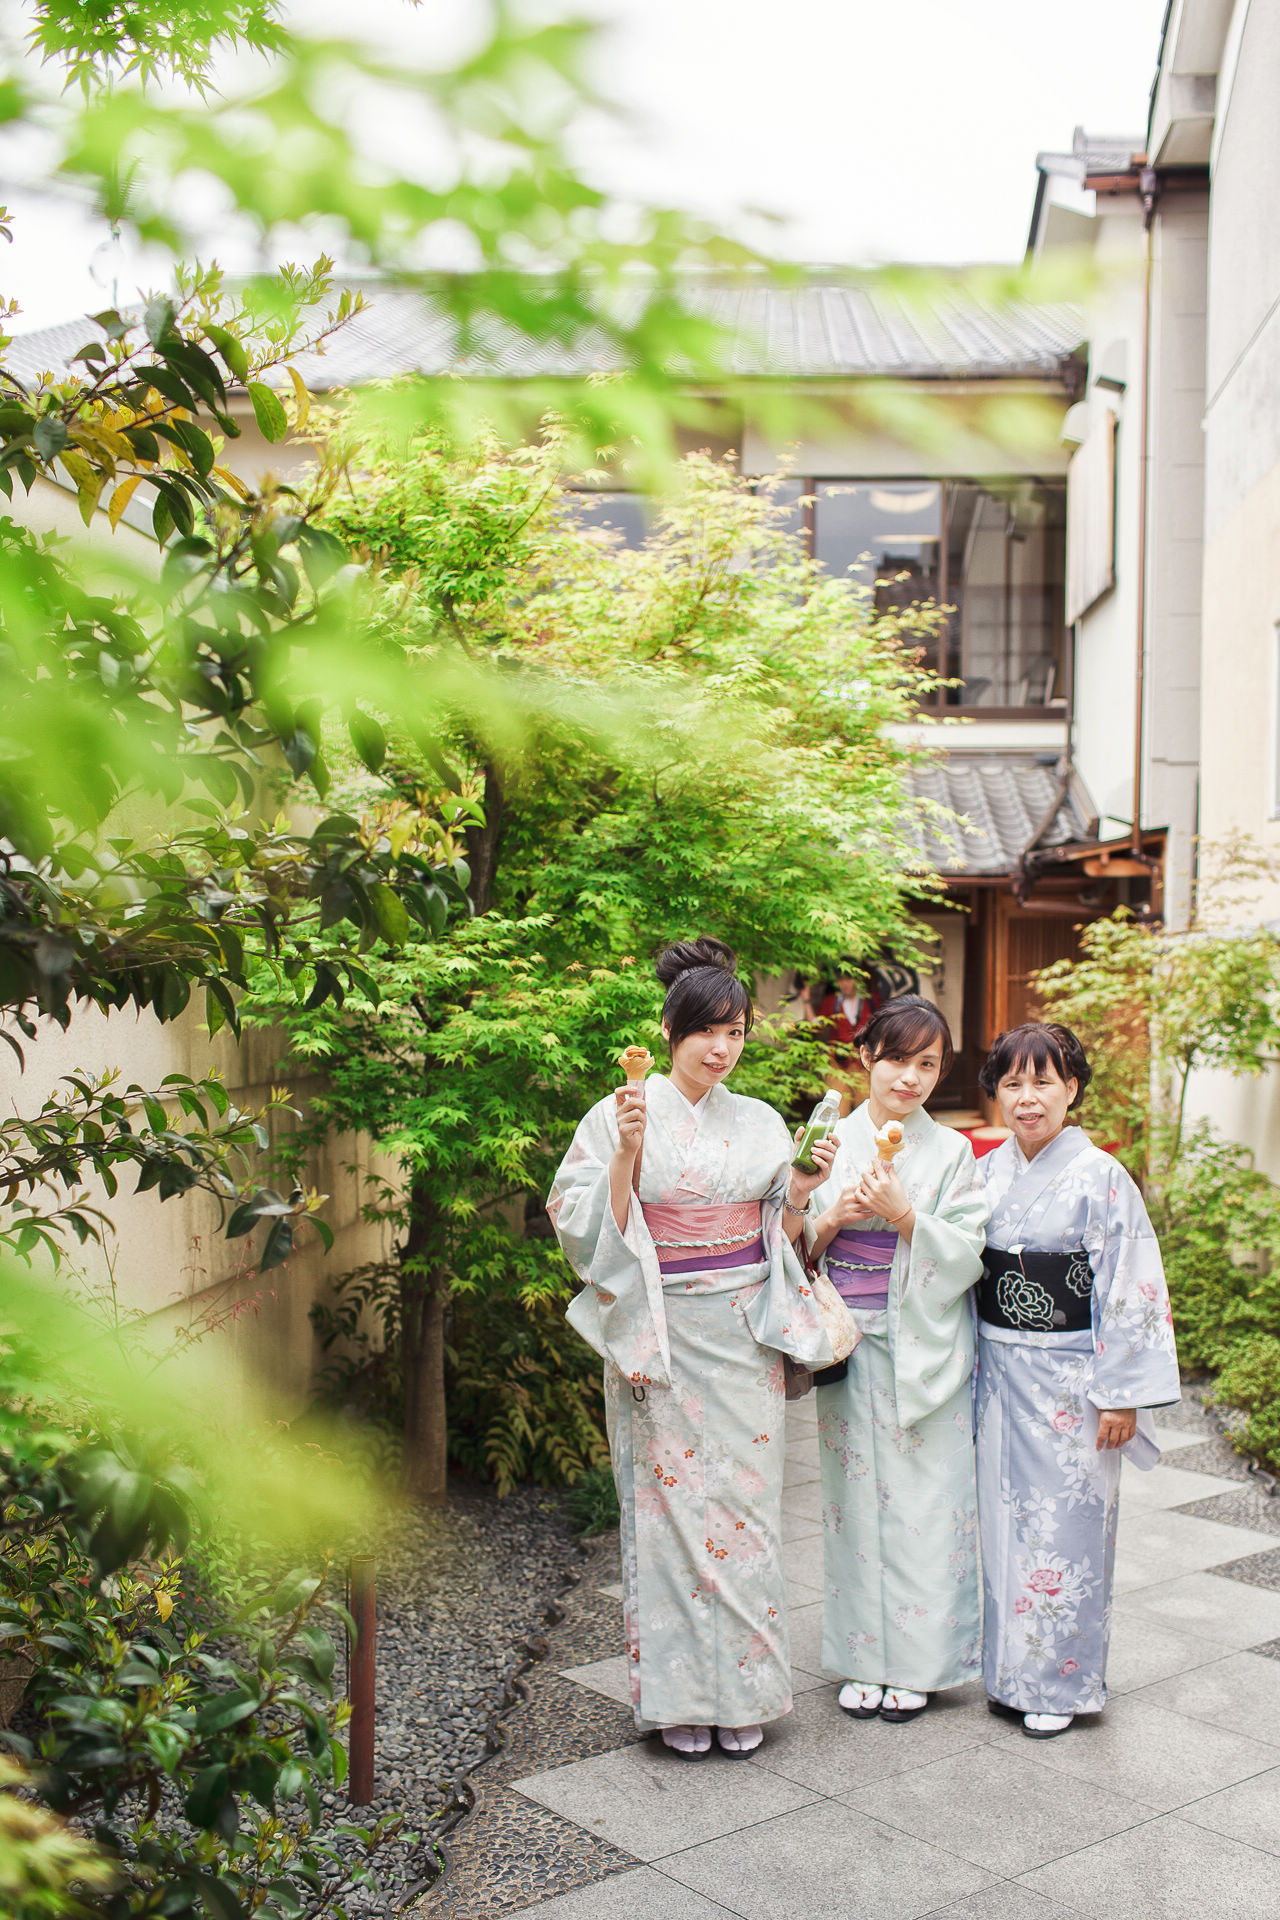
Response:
column 1149, row 188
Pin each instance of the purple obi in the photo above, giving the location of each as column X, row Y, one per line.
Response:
column 701, row 1239
column 858, row 1265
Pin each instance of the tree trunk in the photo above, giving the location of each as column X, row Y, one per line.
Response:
column 482, row 842
column 425, row 1293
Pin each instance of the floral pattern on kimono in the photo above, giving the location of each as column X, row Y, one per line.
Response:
column 899, row 1501
column 694, row 1388
column 1048, row 1500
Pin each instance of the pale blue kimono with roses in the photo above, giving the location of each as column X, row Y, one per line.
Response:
column 1048, row 1500
column 900, row 1521
column 694, row 1389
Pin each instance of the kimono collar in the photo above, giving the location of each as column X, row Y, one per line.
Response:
column 670, row 1096
column 1025, row 1180
column 860, row 1122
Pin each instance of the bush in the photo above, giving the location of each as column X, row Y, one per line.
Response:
column 1218, row 1220
column 1250, row 1380
column 592, row 1505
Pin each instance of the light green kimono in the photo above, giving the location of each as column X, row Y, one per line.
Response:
column 898, row 1489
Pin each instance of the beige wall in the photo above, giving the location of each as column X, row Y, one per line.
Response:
column 944, row 440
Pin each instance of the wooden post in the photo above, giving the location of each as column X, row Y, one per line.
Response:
column 363, row 1677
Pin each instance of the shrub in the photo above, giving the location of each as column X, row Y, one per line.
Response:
column 592, row 1505
column 1250, row 1380
column 1218, row 1220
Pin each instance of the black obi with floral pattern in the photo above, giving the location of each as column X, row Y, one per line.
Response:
column 1036, row 1292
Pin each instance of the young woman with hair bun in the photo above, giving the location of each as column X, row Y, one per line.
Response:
column 899, row 1224
column 678, row 1207
column 1075, row 1345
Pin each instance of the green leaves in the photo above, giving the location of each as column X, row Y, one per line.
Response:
column 268, row 411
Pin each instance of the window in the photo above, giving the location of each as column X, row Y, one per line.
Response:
column 621, row 513
column 994, row 551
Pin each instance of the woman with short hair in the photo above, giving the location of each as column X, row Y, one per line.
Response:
column 1075, row 1345
column 899, row 1226
column 678, row 1207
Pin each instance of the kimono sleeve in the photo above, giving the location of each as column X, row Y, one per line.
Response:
column 1136, row 1362
column 791, row 1312
column 931, row 1319
column 619, row 1311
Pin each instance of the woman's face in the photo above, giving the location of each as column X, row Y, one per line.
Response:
column 706, row 1056
column 902, row 1082
column 1034, row 1101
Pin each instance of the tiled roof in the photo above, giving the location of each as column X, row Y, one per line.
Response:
column 1003, row 800
column 822, row 329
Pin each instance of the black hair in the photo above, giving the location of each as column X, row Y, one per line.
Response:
column 702, row 988
column 907, row 1025
column 1041, row 1044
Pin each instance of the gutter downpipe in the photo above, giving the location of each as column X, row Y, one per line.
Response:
column 1149, row 188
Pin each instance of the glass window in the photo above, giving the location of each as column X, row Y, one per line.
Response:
column 1005, row 561
column 886, row 534
column 627, row 514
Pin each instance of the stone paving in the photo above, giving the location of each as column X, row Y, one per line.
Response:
column 1167, row 1805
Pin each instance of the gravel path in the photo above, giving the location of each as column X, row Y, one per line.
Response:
column 460, row 1591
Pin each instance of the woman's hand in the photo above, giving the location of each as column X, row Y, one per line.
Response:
column 882, row 1193
column 801, row 1187
column 850, row 1210
column 632, row 1113
column 803, row 1184
column 1116, row 1426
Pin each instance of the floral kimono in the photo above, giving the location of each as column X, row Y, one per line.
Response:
column 899, row 1502
column 692, row 1309
column 1048, row 1499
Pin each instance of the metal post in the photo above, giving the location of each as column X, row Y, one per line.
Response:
column 363, row 1677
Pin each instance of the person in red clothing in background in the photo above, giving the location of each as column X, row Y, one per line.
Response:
column 844, row 1008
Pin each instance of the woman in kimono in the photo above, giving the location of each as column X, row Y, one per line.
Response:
column 1075, row 1343
column 902, row 1239
column 678, row 1207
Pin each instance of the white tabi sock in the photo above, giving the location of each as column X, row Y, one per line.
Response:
column 901, row 1699
column 687, row 1739
column 856, row 1696
column 739, row 1739
column 1047, row 1722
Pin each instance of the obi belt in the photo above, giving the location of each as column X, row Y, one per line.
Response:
column 702, row 1239
column 1036, row 1292
column 858, row 1265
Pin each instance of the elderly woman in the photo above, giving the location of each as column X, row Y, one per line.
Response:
column 1075, row 1342
column 678, row 1207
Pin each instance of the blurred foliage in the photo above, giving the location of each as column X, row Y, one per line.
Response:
column 1153, row 1009
column 186, row 1724
column 749, row 787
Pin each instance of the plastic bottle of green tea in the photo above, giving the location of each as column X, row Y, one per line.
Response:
column 820, row 1123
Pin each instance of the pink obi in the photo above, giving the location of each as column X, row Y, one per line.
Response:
column 700, row 1239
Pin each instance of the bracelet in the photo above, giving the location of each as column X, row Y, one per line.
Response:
column 800, row 1212
column 894, row 1218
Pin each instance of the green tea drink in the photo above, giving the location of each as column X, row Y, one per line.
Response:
column 821, row 1122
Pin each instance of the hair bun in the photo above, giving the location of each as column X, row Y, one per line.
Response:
column 685, row 955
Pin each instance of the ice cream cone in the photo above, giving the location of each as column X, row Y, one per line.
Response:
column 635, row 1063
column 889, row 1141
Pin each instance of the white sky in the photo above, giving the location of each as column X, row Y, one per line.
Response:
column 876, row 129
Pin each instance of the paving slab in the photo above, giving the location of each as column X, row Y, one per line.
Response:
column 1168, row 1487
column 624, row 1896
column 825, row 1863
column 1210, row 1608
column 609, row 1677
column 803, row 1561
column 1005, row 1901
column 801, row 1594
column 805, row 1499
column 647, row 1801
column 805, row 1624
column 1248, row 1812
column 800, row 1471
column 818, row 1746
column 1159, row 1758
column 803, row 1526
column 1240, row 1694
column 1041, row 1815
column 614, row 1590
column 1157, row 1544
column 1145, row 1650
column 1167, row 1870
column 1171, row 1439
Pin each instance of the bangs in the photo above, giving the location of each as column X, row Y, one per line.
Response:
column 907, row 1026
column 1030, row 1046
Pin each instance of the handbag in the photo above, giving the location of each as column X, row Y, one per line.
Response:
column 838, row 1324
